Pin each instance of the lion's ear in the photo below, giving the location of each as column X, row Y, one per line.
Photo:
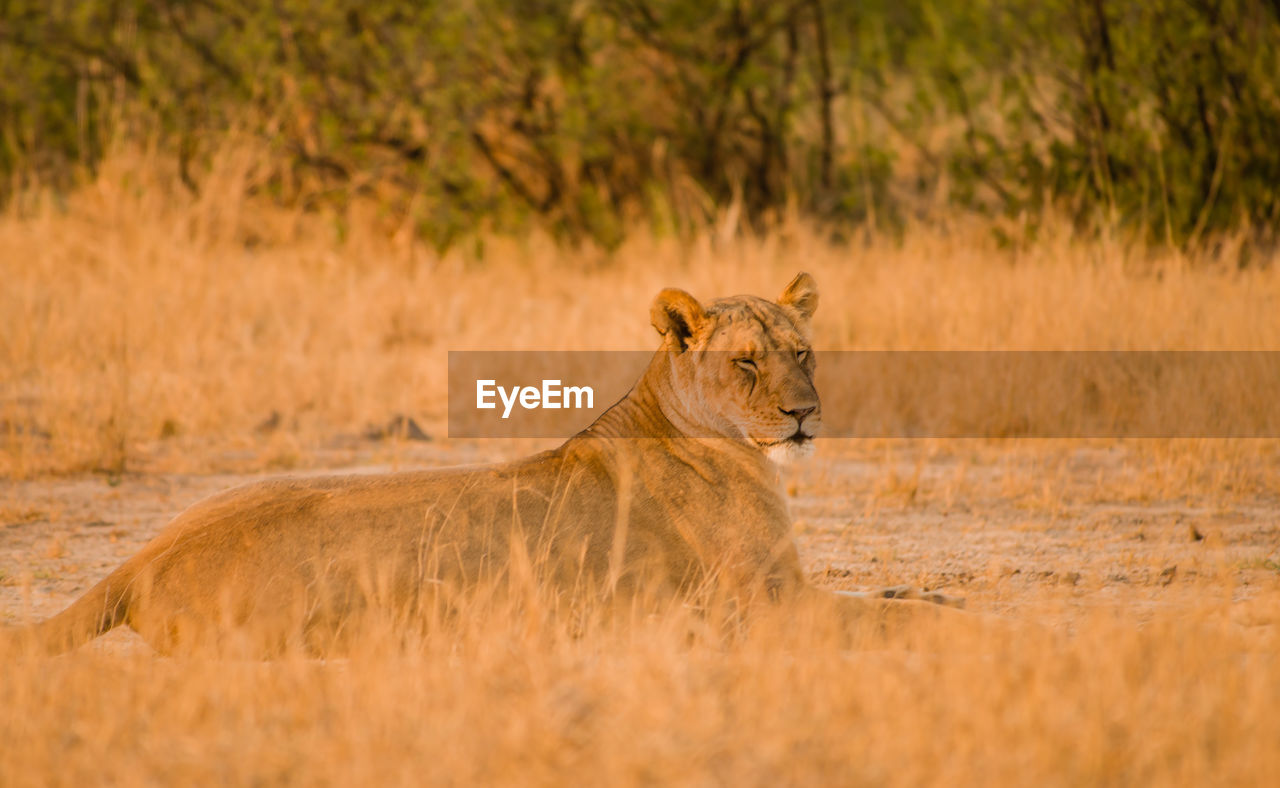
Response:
column 677, row 316
column 801, row 295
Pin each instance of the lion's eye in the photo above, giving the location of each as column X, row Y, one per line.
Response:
column 745, row 363
column 802, row 356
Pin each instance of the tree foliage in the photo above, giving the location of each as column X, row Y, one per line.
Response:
column 584, row 115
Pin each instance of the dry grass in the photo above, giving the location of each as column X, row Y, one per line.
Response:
column 146, row 331
column 136, row 318
column 1183, row 700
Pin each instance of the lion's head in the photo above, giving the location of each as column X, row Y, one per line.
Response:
column 742, row 367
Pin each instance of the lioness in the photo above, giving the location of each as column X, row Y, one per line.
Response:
column 695, row 501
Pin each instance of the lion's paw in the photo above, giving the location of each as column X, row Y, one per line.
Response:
column 911, row 592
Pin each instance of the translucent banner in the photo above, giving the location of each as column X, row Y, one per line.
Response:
column 894, row 394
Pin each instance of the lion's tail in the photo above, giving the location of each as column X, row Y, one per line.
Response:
column 100, row 609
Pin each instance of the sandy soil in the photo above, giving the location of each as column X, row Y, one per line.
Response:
column 988, row 529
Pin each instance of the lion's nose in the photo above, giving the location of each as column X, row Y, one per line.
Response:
column 798, row 414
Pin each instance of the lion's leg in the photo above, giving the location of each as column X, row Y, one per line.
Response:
column 886, row 607
column 862, row 620
column 896, row 609
column 907, row 592
column 893, row 614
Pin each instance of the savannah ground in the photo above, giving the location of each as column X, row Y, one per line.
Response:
column 156, row 348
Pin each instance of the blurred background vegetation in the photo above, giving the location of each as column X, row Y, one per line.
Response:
column 587, row 117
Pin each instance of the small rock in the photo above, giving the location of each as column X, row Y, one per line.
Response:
column 402, row 427
column 269, row 424
column 26, row 428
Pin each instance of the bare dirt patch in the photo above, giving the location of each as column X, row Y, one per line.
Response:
column 979, row 520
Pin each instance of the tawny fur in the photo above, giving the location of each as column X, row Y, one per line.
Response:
column 693, row 501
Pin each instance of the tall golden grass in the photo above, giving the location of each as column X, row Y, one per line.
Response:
column 136, row 317
column 145, row 330
column 511, row 699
